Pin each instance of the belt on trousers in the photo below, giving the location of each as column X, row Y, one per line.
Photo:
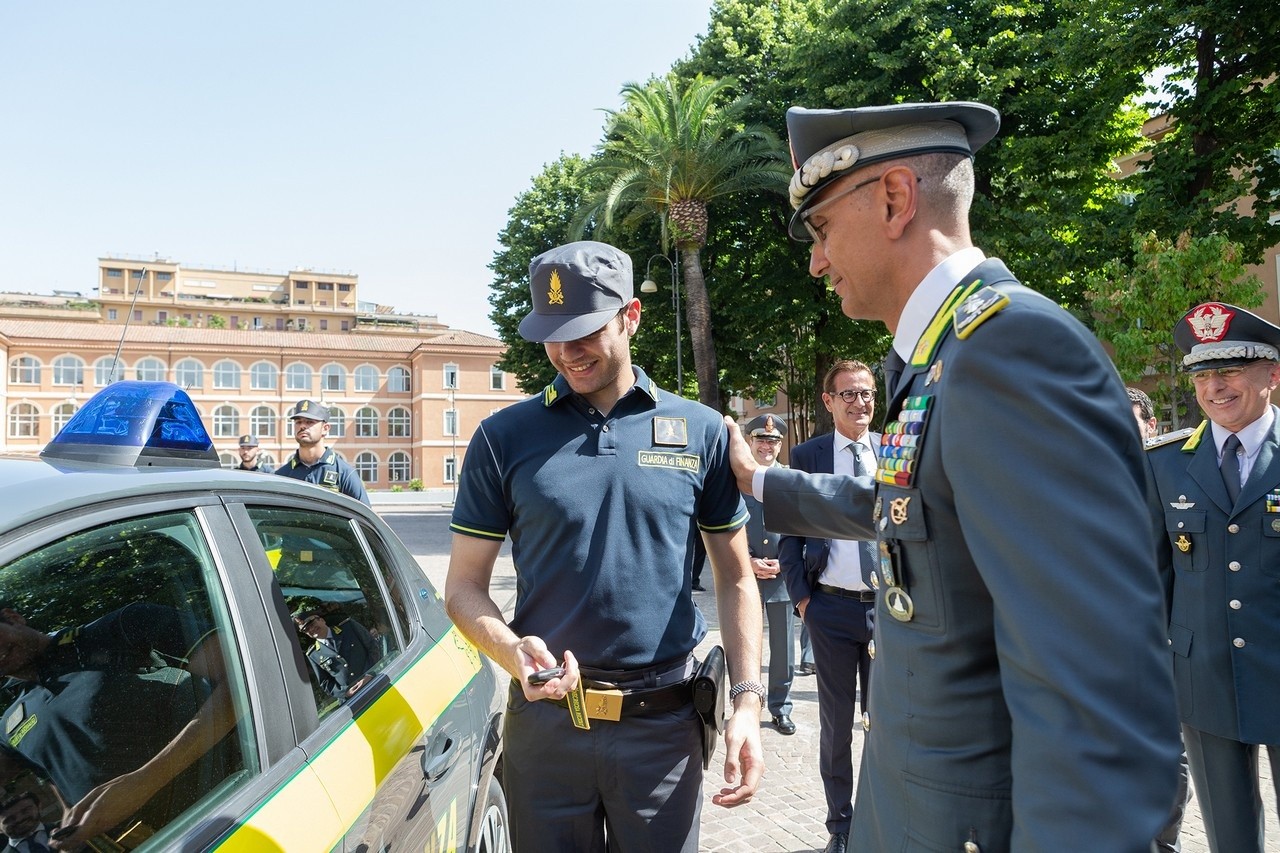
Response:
column 866, row 596
column 635, row 702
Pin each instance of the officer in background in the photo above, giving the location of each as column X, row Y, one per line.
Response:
column 1023, row 697
column 340, row 656
column 314, row 462
column 1218, row 504
column 20, row 822
column 766, row 433
column 249, row 456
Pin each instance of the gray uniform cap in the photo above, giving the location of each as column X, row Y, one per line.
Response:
column 576, row 289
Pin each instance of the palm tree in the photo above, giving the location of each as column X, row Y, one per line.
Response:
column 669, row 152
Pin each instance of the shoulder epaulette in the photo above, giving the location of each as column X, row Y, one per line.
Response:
column 977, row 307
column 1196, row 437
column 1169, row 438
column 549, row 394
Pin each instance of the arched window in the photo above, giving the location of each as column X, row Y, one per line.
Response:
column 398, row 425
column 398, row 467
column 107, row 370
column 262, row 422
column 398, row 380
column 333, row 378
column 68, row 370
column 25, row 370
column 264, row 376
column 149, row 370
column 228, row 460
column 24, row 421
column 297, row 377
column 189, row 373
column 226, row 375
column 61, row 414
column 226, row 422
column 366, row 422
column 337, row 422
column 367, row 467
column 367, row 378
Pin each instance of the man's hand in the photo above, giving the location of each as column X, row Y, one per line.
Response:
column 801, row 606
column 744, row 757
column 532, row 655
column 765, row 568
column 102, row 808
column 741, row 459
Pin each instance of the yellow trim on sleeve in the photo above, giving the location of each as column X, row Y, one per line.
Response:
column 471, row 531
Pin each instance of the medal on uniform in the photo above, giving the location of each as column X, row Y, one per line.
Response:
column 935, row 373
column 899, row 604
column 887, row 574
column 898, row 510
column 1183, row 543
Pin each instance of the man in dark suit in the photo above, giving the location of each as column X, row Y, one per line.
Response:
column 1218, row 505
column 766, row 433
column 831, row 582
column 1023, row 697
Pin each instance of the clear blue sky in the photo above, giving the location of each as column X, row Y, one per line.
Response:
column 387, row 139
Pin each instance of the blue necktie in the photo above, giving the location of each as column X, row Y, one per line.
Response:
column 1231, row 466
column 866, row 548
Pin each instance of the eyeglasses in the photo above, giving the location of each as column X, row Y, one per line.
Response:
column 849, row 396
column 818, row 232
column 1225, row 373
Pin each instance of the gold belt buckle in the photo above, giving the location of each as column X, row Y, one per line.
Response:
column 604, row 704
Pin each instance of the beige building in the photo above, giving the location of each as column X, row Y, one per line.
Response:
column 406, row 391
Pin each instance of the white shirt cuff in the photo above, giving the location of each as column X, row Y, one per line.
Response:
column 757, row 484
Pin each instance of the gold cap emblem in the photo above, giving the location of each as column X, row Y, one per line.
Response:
column 555, row 296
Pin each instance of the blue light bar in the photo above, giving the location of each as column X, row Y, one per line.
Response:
column 136, row 423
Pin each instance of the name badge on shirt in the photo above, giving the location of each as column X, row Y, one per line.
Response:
column 670, row 432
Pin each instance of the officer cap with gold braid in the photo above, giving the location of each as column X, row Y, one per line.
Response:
column 826, row 144
column 1215, row 334
column 766, row 426
column 576, row 289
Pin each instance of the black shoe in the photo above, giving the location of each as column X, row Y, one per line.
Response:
column 839, row 843
column 698, row 587
column 806, row 669
column 783, row 724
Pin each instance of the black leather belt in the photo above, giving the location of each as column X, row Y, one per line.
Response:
column 657, row 701
column 866, row 596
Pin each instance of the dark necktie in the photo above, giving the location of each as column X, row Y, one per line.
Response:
column 866, row 548
column 1231, row 466
column 893, row 367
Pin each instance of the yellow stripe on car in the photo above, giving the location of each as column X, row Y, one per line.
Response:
column 348, row 770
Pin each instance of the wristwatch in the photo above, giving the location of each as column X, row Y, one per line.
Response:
column 747, row 687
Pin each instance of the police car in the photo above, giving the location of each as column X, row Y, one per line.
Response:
column 168, row 632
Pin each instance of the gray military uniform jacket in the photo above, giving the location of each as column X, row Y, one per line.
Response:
column 1027, row 705
column 1222, row 566
column 763, row 543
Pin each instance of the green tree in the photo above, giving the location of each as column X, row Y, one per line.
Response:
column 216, row 321
column 670, row 152
column 1139, row 301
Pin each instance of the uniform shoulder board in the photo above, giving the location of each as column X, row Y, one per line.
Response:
column 976, row 308
column 1169, row 438
column 549, row 394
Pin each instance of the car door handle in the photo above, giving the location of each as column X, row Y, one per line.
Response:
column 441, row 754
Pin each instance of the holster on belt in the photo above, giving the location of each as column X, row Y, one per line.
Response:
column 708, row 700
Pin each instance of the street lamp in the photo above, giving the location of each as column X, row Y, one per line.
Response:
column 651, row 286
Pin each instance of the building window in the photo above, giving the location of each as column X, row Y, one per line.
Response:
column 226, row 422
column 228, row 460
column 164, row 276
column 497, row 379
column 367, row 422
column 343, row 288
column 189, row 373
column 113, row 314
column 767, row 402
column 450, row 421
column 337, row 422
column 24, row 421
column 162, row 316
column 297, row 377
column 264, row 376
column 149, row 370
column 115, row 273
column 262, row 422
column 137, row 316
column 450, row 469
column 367, row 467
column 367, row 378
column 226, row 374
column 61, row 414
column 333, row 378
column 451, row 375
column 24, row 370
column 324, row 325
column 398, row 467
column 346, row 325
column 107, row 370
column 68, row 370
column 398, row 380
column 398, row 423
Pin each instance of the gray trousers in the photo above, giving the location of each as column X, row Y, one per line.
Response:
column 780, row 616
column 1225, row 773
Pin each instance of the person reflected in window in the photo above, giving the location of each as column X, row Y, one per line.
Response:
column 340, row 656
column 20, row 822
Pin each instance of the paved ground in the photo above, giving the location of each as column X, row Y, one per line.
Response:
column 787, row 814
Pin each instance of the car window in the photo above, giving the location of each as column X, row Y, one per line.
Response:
column 339, row 609
column 124, row 688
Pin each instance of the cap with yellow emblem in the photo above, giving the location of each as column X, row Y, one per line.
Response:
column 1215, row 335
column 767, row 426
column 576, row 289
column 311, row 410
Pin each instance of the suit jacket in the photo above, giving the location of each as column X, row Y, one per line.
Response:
column 804, row 557
column 1222, row 567
column 1023, row 539
column 337, row 669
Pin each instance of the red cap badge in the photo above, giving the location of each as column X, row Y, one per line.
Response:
column 1209, row 322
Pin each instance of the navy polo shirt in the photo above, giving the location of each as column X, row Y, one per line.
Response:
column 602, row 512
column 331, row 473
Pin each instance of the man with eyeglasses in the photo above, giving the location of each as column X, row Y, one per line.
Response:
column 1218, row 505
column 340, row 656
column 831, row 581
column 1023, row 698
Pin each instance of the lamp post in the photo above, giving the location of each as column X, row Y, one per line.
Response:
column 651, row 286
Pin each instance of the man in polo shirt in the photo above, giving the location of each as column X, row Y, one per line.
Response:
column 314, row 462
column 250, row 455
column 603, row 483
